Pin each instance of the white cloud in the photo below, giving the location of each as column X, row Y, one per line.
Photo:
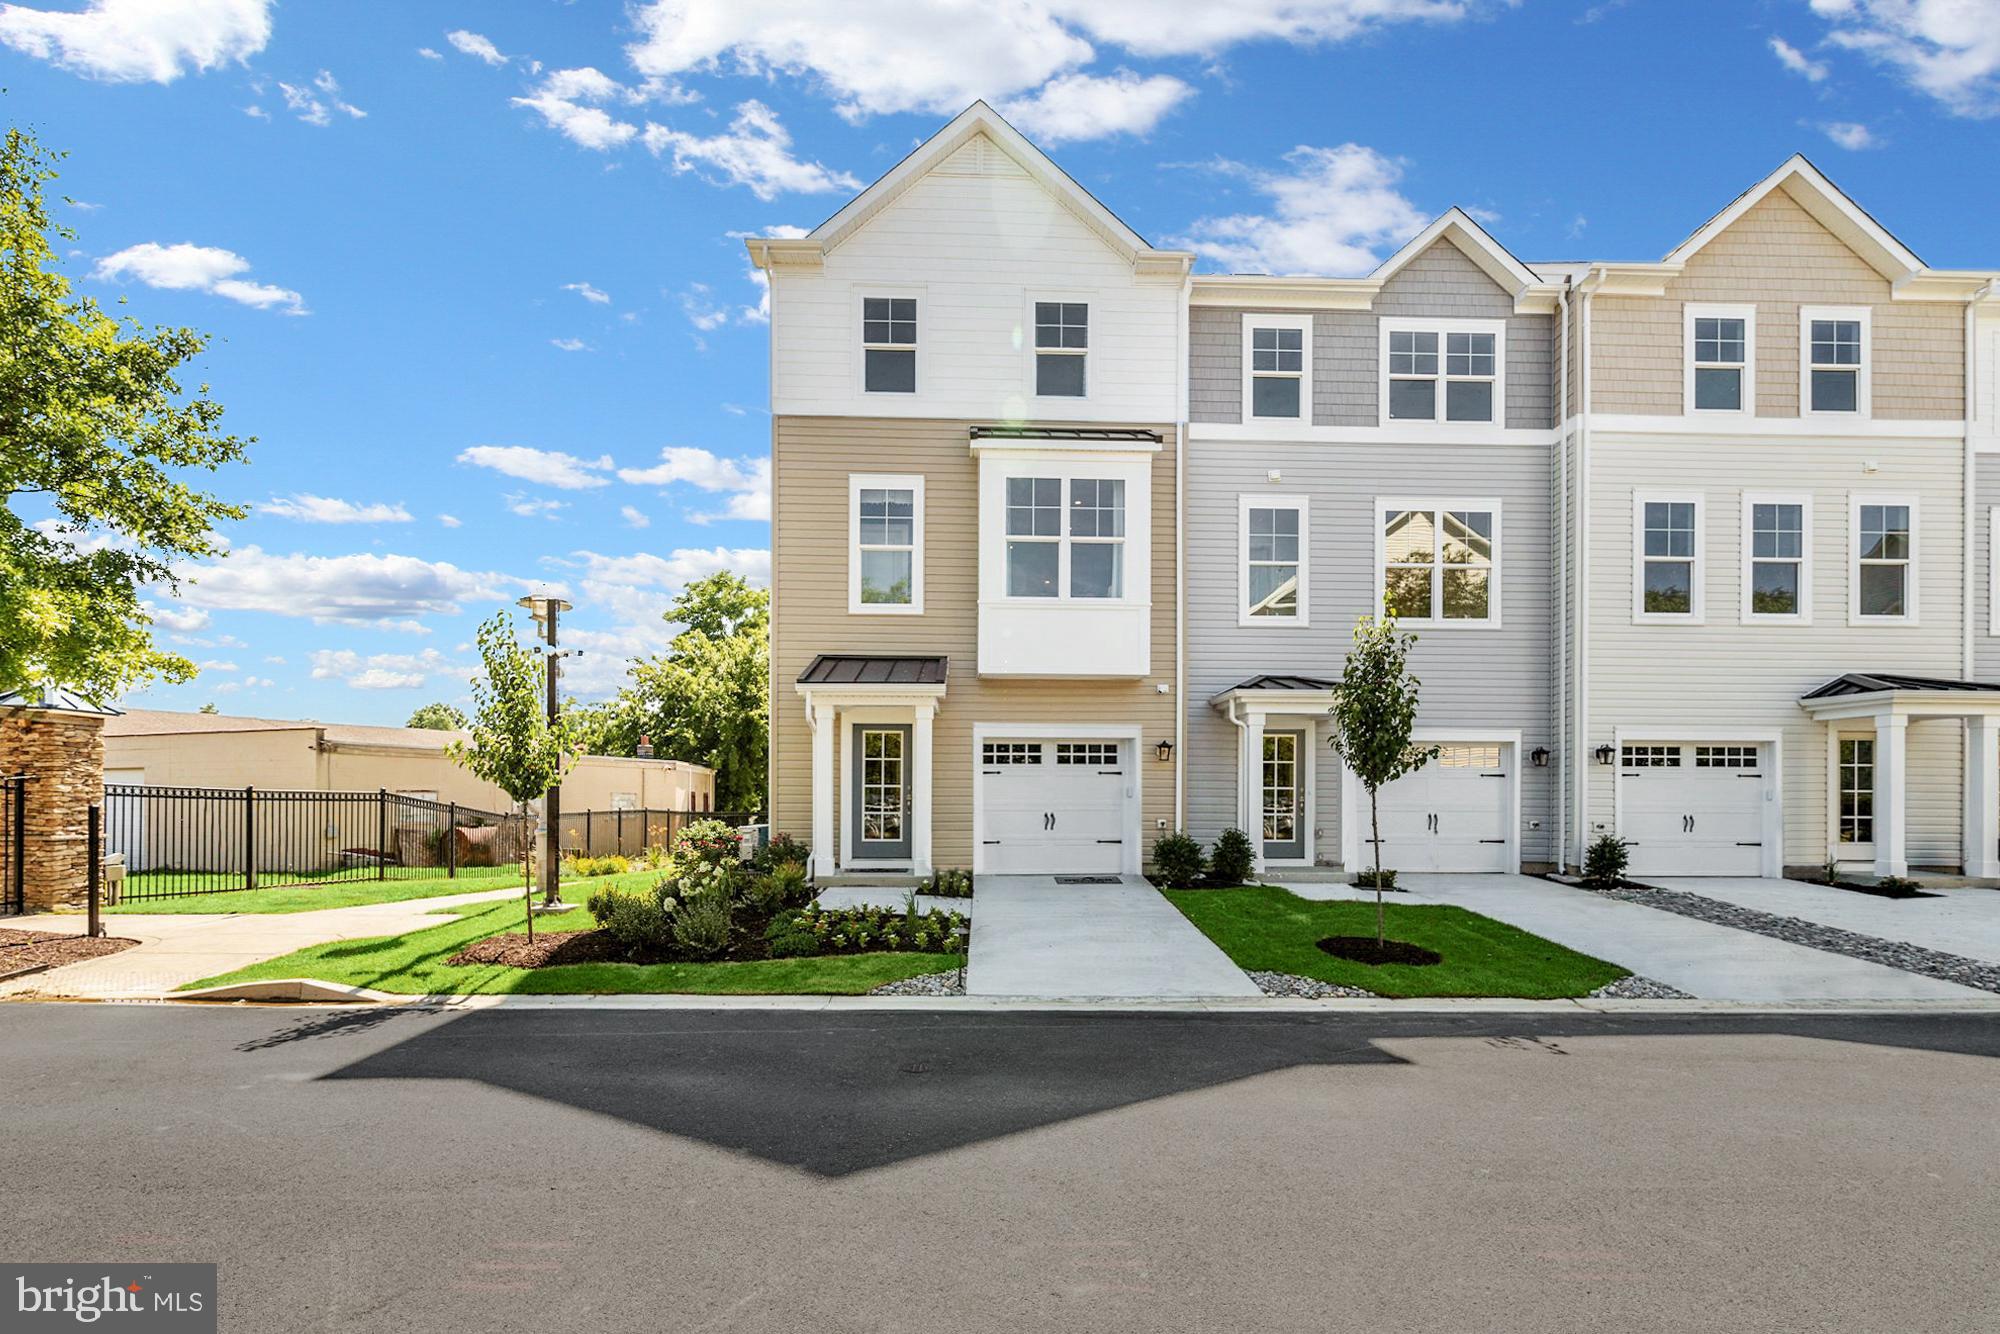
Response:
column 472, row 44
column 185, row 267
column 1851, row 135
column 547, row 467
column 745, row 481
column 1795, row 60
column 533, row 507
column 429, row 53
column 569, row 344
column 316, row 104
column 1085, row 106
column 1946, row 49
column 565, row 100
column 634, row 593
column 381, row 671
column 1203, row 27
column 387, row 591
column 634, row 518
column 140, row 41
column 756, row 151
column 591, row 294
column 215, row 665
column 308, row 508
column 176, row 618
column 256, row 113
column 258, row 683
column 698, row 304
column 450, row 521
column 1336, row 211
column 676, row 570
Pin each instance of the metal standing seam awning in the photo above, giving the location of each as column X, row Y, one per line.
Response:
column 1276, row 691
column 870, row 669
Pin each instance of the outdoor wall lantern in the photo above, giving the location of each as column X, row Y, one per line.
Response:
column 1164, row 751
column 1604, row 754
column 1539, row 757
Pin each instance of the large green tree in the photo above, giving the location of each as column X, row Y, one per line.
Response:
column 438, row 717
column 707, row 698
column 96, row 434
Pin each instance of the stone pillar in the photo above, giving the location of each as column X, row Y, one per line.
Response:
column 62, row 753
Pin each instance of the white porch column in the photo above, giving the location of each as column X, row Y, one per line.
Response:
column 1982, row 796
column 1250, row 812
column 822, row 717
column 920, row 790
column 1891, row 751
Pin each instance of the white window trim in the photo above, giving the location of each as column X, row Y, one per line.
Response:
column 1698, row 603
column 1748, row 314
column 858, row 306
column 1912, row 584
column 1065, row 541
column 1752, row 499
column 1035, row 353
column 1254, row 500
column 1864, row 399
column 1442, row 328
column 1304, row 324
column 857, row 482
column 1384, row 506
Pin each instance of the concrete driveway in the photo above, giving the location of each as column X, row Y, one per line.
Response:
column 1957, row 921
column 1701, row 958
column 1034, row 937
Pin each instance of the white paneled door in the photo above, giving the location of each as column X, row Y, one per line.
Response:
column 1050, row 806
column 1454, row 814
column 1693, row 808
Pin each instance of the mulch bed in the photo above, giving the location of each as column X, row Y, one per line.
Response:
column 31, row 951
column 549, row 949
column 1884, row 891
column 1364, row 949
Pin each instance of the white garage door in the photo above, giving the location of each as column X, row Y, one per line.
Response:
column 1451, row 815
column 1052, row 806
column 1693, row 808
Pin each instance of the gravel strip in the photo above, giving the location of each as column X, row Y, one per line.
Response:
column 1308, row 988
column 1638, row 988
column 1796, row 930
column 925, row 984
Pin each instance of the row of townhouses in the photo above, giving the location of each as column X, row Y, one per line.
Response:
column 1068, row 541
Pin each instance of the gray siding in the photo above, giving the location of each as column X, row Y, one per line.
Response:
column 1483, row 678
column 1986, row 495
column 1440, row 283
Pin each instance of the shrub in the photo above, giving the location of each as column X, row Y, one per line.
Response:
column 856, row 930
column 788, row 880
column 781, row 849
column 1178, row 861
column 1829, row 873
column 787, row 938
column 1233, row 860
column 950, row 884
column 1898, row 884
column 586, row 867
column 709, row 842
column 1604, row 861
column 701, row 926
column 654, row 858
column 1366, row 879
column 641, row 922
column 766, row 893
column 696, row 878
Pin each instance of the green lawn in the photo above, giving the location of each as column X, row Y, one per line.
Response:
column 1264, row 928
column 281, row 895
column 414, row 964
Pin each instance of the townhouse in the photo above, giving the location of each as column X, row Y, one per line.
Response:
column 1068, row 541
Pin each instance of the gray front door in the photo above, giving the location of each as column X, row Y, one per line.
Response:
column 1284, row 800
column 880, row 796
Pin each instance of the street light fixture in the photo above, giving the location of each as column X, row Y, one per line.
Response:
column 547, row 609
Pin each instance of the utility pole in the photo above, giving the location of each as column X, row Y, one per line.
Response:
column 547, row 610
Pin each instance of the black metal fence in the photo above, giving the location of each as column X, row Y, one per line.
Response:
column 13, row 845
column 177, row 841
column 629, row 833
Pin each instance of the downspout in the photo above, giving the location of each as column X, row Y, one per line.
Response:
column 1582, row 685
column 1971, row 463
column 1561, row 846
column 1180, row 555
column 1241, row 778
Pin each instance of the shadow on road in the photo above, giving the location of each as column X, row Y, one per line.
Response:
column 834, row 1094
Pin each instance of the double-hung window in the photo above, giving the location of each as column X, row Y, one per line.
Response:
column 1439, row 562
column 1277, row 367
column 886, row 544
column 1272, row 588
column 1667, row 551
column 889, row 344
column 1777, row 559
column 1062, row 346
column 1882, row 584
column 1833, row 361
column 1045, row 538
column 1448, row 373
column 1721, row 365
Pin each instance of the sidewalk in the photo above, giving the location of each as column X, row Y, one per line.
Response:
column 177, row 948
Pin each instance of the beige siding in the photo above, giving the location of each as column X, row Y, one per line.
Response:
column 811, row 460
column 1778, row 257
column 1724, row 674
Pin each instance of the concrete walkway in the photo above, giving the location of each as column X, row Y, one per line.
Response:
column 1705, row 960
column 1959, row 921
column 177, row 948
column 1033, row 937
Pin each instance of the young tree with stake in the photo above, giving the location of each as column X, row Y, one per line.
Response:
column 1374, row 723
column 515, row 746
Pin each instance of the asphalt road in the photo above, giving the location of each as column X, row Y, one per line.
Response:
column 736, row 1171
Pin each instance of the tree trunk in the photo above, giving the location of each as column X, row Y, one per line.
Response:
column 1375, row 829
column 528, row 870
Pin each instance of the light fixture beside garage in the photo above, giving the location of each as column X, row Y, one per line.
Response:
column 1539, row 757
column 1605, row 754
column 1164, row 752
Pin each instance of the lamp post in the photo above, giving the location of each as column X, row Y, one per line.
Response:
column 547, row 609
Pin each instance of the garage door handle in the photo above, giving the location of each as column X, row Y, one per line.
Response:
column 1492, row 840
column 990, row 842
column 1493, row 775
column 1749, row 845
column 1110, row 840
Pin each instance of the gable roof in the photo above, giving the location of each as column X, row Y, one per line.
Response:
column 1828, row 204
column 976, row 120
column 1478, row 245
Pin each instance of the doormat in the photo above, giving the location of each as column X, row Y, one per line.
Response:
column 1088, row 880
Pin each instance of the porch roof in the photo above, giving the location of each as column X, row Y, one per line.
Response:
column 1872, row 683
column 1883, row 694
column 865, row 669
column 1279, row 692
column 1277, row 681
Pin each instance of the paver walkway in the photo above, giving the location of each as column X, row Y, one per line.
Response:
column 177, row 948
column 1034, row 937
column 1701, row 958
column 1958, row 921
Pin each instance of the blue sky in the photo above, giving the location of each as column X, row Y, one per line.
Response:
column 476, row 282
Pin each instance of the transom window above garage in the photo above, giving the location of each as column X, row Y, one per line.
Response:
column 996, row 753
column 1651, row 757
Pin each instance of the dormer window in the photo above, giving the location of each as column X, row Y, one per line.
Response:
column 1721, row 370
column 889, row 344
column 1277, row 367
